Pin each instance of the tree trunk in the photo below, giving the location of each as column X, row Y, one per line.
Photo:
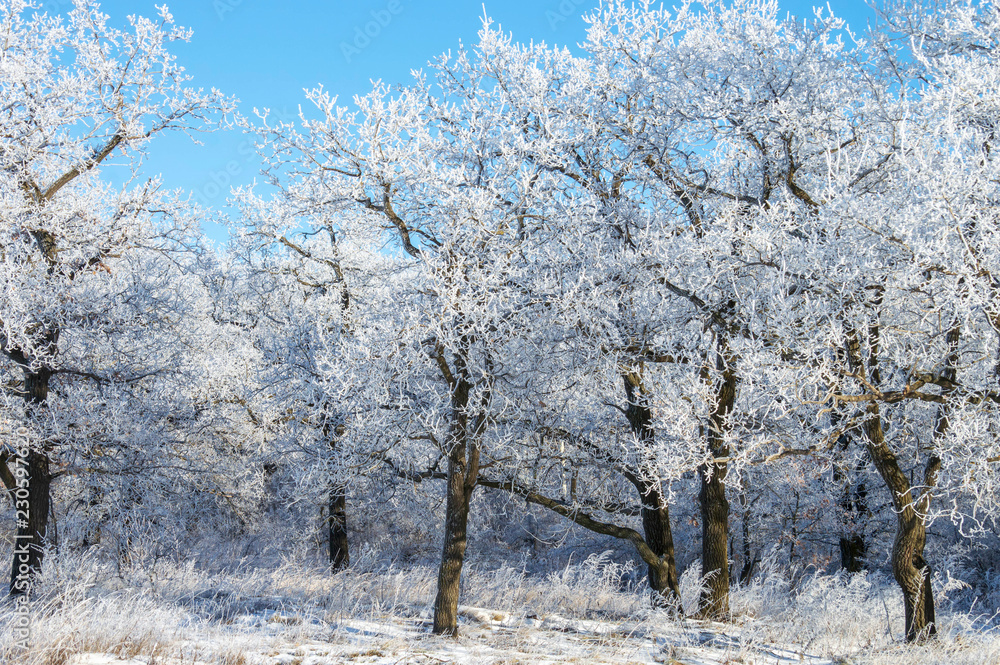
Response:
column 29, row 541
column 854, row 494
column 340, row 557
column 663, row 578
column 453, row 556
column 854, row 511
column 714, row 504
column 32, row 523
column 463, row 473
column 32, row 499
column 714, row 542
column 914, row 577
column 749, row 560
column 852, row 552
column 908, row 566
column 853, row 548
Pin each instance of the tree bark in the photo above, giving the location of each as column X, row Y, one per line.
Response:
column 853, row 548
column 662, row 576
column 853, row 551
column 463, row 473
column 749, row 560
column 455, row 540
column 32, row 511
column 714, row 542
column 854, row 510
column 340, row 557
column 908, row 566
column 714, row 504
column 663, row 579
column 29, row 540
column 854, row 494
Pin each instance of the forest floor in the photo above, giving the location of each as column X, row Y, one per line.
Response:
column 489, row 638
column 486, row 638
column 297, row 613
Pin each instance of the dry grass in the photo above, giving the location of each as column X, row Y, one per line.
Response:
column 183, row 613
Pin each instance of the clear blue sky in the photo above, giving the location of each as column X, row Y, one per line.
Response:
column 266, row 52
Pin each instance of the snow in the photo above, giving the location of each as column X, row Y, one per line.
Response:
column 496, row 637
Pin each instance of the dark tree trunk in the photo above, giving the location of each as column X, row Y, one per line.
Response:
column 749, row 560
column 463, row 473
column 31, row 499
column 914, row 577
column 714, row 542
column 909, row 568
column 852, row 552
column 854, row 494
column 714, row 504
column 854, row 510
column 663, row 578
column 453, row 556
column 29, row 541
column 340, row 557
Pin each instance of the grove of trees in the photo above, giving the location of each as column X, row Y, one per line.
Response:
column 715, row 257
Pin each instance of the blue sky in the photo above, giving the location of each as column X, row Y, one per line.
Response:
column 266, row 52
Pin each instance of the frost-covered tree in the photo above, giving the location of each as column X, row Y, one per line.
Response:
column 721, row 114
column 434, row 225
column 86, row 264
column 717, row 241
column 291, row 291
column 890, row 304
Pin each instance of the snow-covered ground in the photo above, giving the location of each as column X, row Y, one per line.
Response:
column 297, row 614
column 491, row 637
